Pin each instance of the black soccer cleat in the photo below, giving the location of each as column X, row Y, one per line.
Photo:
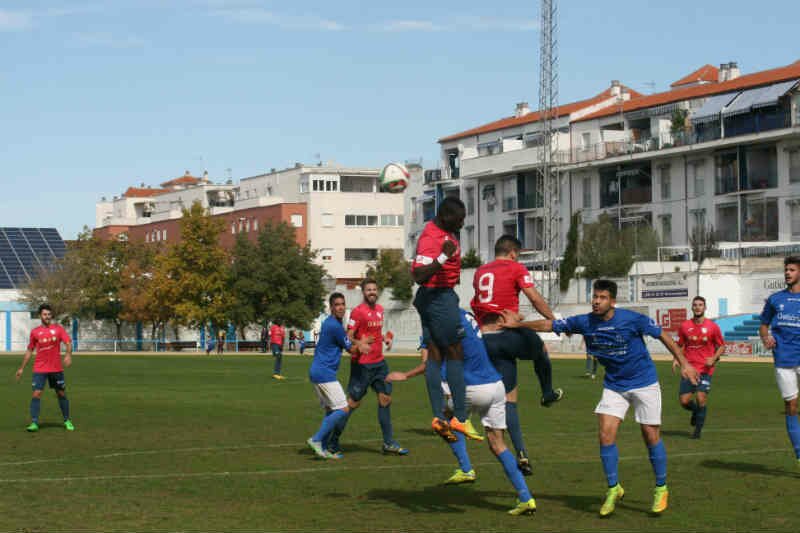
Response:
column 524, row 464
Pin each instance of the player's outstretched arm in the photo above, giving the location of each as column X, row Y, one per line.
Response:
column 511, row 320
column 416, row 371
column 687, row 370
column 538, row 303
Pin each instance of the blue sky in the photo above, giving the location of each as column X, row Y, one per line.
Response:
column 96, row 96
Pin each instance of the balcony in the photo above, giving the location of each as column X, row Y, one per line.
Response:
column 512, row 160
column 436, row 175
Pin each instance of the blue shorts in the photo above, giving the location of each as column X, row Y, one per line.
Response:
column 440, row 316
column 362, row 377
column 54, row 379
column 514, row 344
column 703, row 385
column 277, row 349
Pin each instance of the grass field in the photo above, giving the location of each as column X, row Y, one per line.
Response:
column 195, row 443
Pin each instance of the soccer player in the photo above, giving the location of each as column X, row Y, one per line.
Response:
column 497, row 286
column 46, row 340
column 486, row 396
column 616, row 338
column 370, row 369
column 702, row 345
column 327, row 356
column 437, row 269
column 277, row 333
column 780, row 332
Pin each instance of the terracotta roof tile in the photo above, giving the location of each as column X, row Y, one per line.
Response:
column 535, row 116
column 139, row 192
column 707, row 73
column 756, row 79
column 183, row 180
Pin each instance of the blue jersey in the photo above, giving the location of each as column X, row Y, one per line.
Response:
column 328, row 351
column 782, row 314
column 618, row 344
column 478, row 369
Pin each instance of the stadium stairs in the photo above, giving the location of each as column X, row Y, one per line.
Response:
column 739, row 327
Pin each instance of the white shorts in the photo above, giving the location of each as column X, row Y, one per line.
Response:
column 488, row 401
column 646, row 403
column 331, row 395
column 787, row 382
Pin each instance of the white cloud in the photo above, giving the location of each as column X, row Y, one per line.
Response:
column 257, row 15
column 459, row 24
column 15, row 20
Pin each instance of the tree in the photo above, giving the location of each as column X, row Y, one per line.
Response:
column 566, row 270
column 471, row 259
column 147, row 292
column 703, row 241
column 54, row 285
column 607, row 252
column 392, row 271
column 246, row 284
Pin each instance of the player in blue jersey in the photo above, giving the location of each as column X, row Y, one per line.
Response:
column 616, row 338
column 327, row 356
column 486, row 397
column 780, row 332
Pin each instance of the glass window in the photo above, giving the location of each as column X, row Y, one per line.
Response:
column 400, row 220
column 587, row 192
column 372, row 220
column 327, row 219
column 360, row 254
column 255, row 224
column 233, row 228
column 666, row 183
column 326, row 254
column 163, row 235
column 666, row 230
column 470, row 200
column 387, row 220
column 490, row 236
column 794, row 166
column 349, row 220
column 699, row 179
column 361, row 220
column 726, row 173
column 794, row 213
column 297, row 221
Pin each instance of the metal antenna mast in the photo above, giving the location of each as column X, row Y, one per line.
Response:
column 548, row 182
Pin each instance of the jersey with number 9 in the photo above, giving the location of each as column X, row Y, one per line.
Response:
column 497, row 286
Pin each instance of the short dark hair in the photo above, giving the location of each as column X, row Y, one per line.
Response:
column 45, row 307
column 368, row 281
column 606, row 285
column 506, row 244
column 335, row 296
column 699, row 298
column 792, row 260
column 450, row 206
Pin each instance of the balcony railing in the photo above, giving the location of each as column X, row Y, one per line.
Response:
column 436, row 175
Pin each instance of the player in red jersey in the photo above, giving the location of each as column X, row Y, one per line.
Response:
column 497, row 286
column 370, row 369
column 277, row 334
column 703, row 345
column 46, row 341
column 437, row 269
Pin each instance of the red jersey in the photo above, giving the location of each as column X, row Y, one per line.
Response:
column 367, row 321
column 429, row 248
column 699, row 342
column 497, row 285
column 46, row 340
column 277, row 334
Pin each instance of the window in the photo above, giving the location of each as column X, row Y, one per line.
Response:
column 587, row 192
column 255, row 224
column 304, row 186
column 794, row 166
column 666, row 182
column 586, row 140
column 666, row 230
column 247, row 225
column 233, row 228
column 470, row 237
column 163, row 235
column 490, row 236
column 391, row 220
column 360, row 254
column 470, row 200
column 318, row 185
column 146, row 237
column 327, row 220
column 326, row 254
column 794, row 212
column 241, row 225
column 509, row 228
column 699, row 218
column 363, row 220
column 726, row 167
column 490, row 148
column 372, row 220
column 297, row 221
column 697, row 170
column 269, row 191
column 329, row 185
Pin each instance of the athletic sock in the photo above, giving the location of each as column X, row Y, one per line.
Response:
column 278, row 361
column 385, row 421
column 328, row 424
column 658, row 458
column 332, row 442
column 793, row 429
column 609, row 455
column 459, row 448
column 514, row 475
column 699, row 419
column 544, row 371
column 514, row 429
column 433, row 381
column 691, row 406
column 63, row 403
column 455, row 379
column 36, row 405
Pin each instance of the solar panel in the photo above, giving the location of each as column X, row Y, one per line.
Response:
column 24, row 251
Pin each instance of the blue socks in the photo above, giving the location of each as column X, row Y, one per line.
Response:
column 385, row 421
column 278, row 361
column 459, row 448
column 455, row 379
column 514, row 475
column 36, row 405
column 329, row 423
column 699, row 418
column 331, row 441
column 609, row 455
column 63, row 403
column 792, row 428
column 658, row 458
column 433, row 381
column 514, row 429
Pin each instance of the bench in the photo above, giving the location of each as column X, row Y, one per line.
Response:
column 249, row 346
column 177, row 346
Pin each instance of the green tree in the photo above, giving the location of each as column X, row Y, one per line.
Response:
column 566, row 270
column 148, row 293
column 246, row 284
column 392, row 271
column 471, row 259
column 608, row 252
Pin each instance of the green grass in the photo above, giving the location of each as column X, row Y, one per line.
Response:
column 193, row 443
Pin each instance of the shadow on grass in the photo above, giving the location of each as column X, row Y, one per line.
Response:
column 748, row 468
column 441, row 499
column 676, row 433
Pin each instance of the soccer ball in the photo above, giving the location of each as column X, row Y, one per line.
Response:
column 394, row 178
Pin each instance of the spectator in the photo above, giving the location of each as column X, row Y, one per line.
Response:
column 264, row 339
column 220, row 341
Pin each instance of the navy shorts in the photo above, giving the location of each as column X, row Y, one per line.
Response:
column 440, row 316
column 277, row 349
column 520, row 343
column 362, row 377
column 703, row 385
column 54, row 379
